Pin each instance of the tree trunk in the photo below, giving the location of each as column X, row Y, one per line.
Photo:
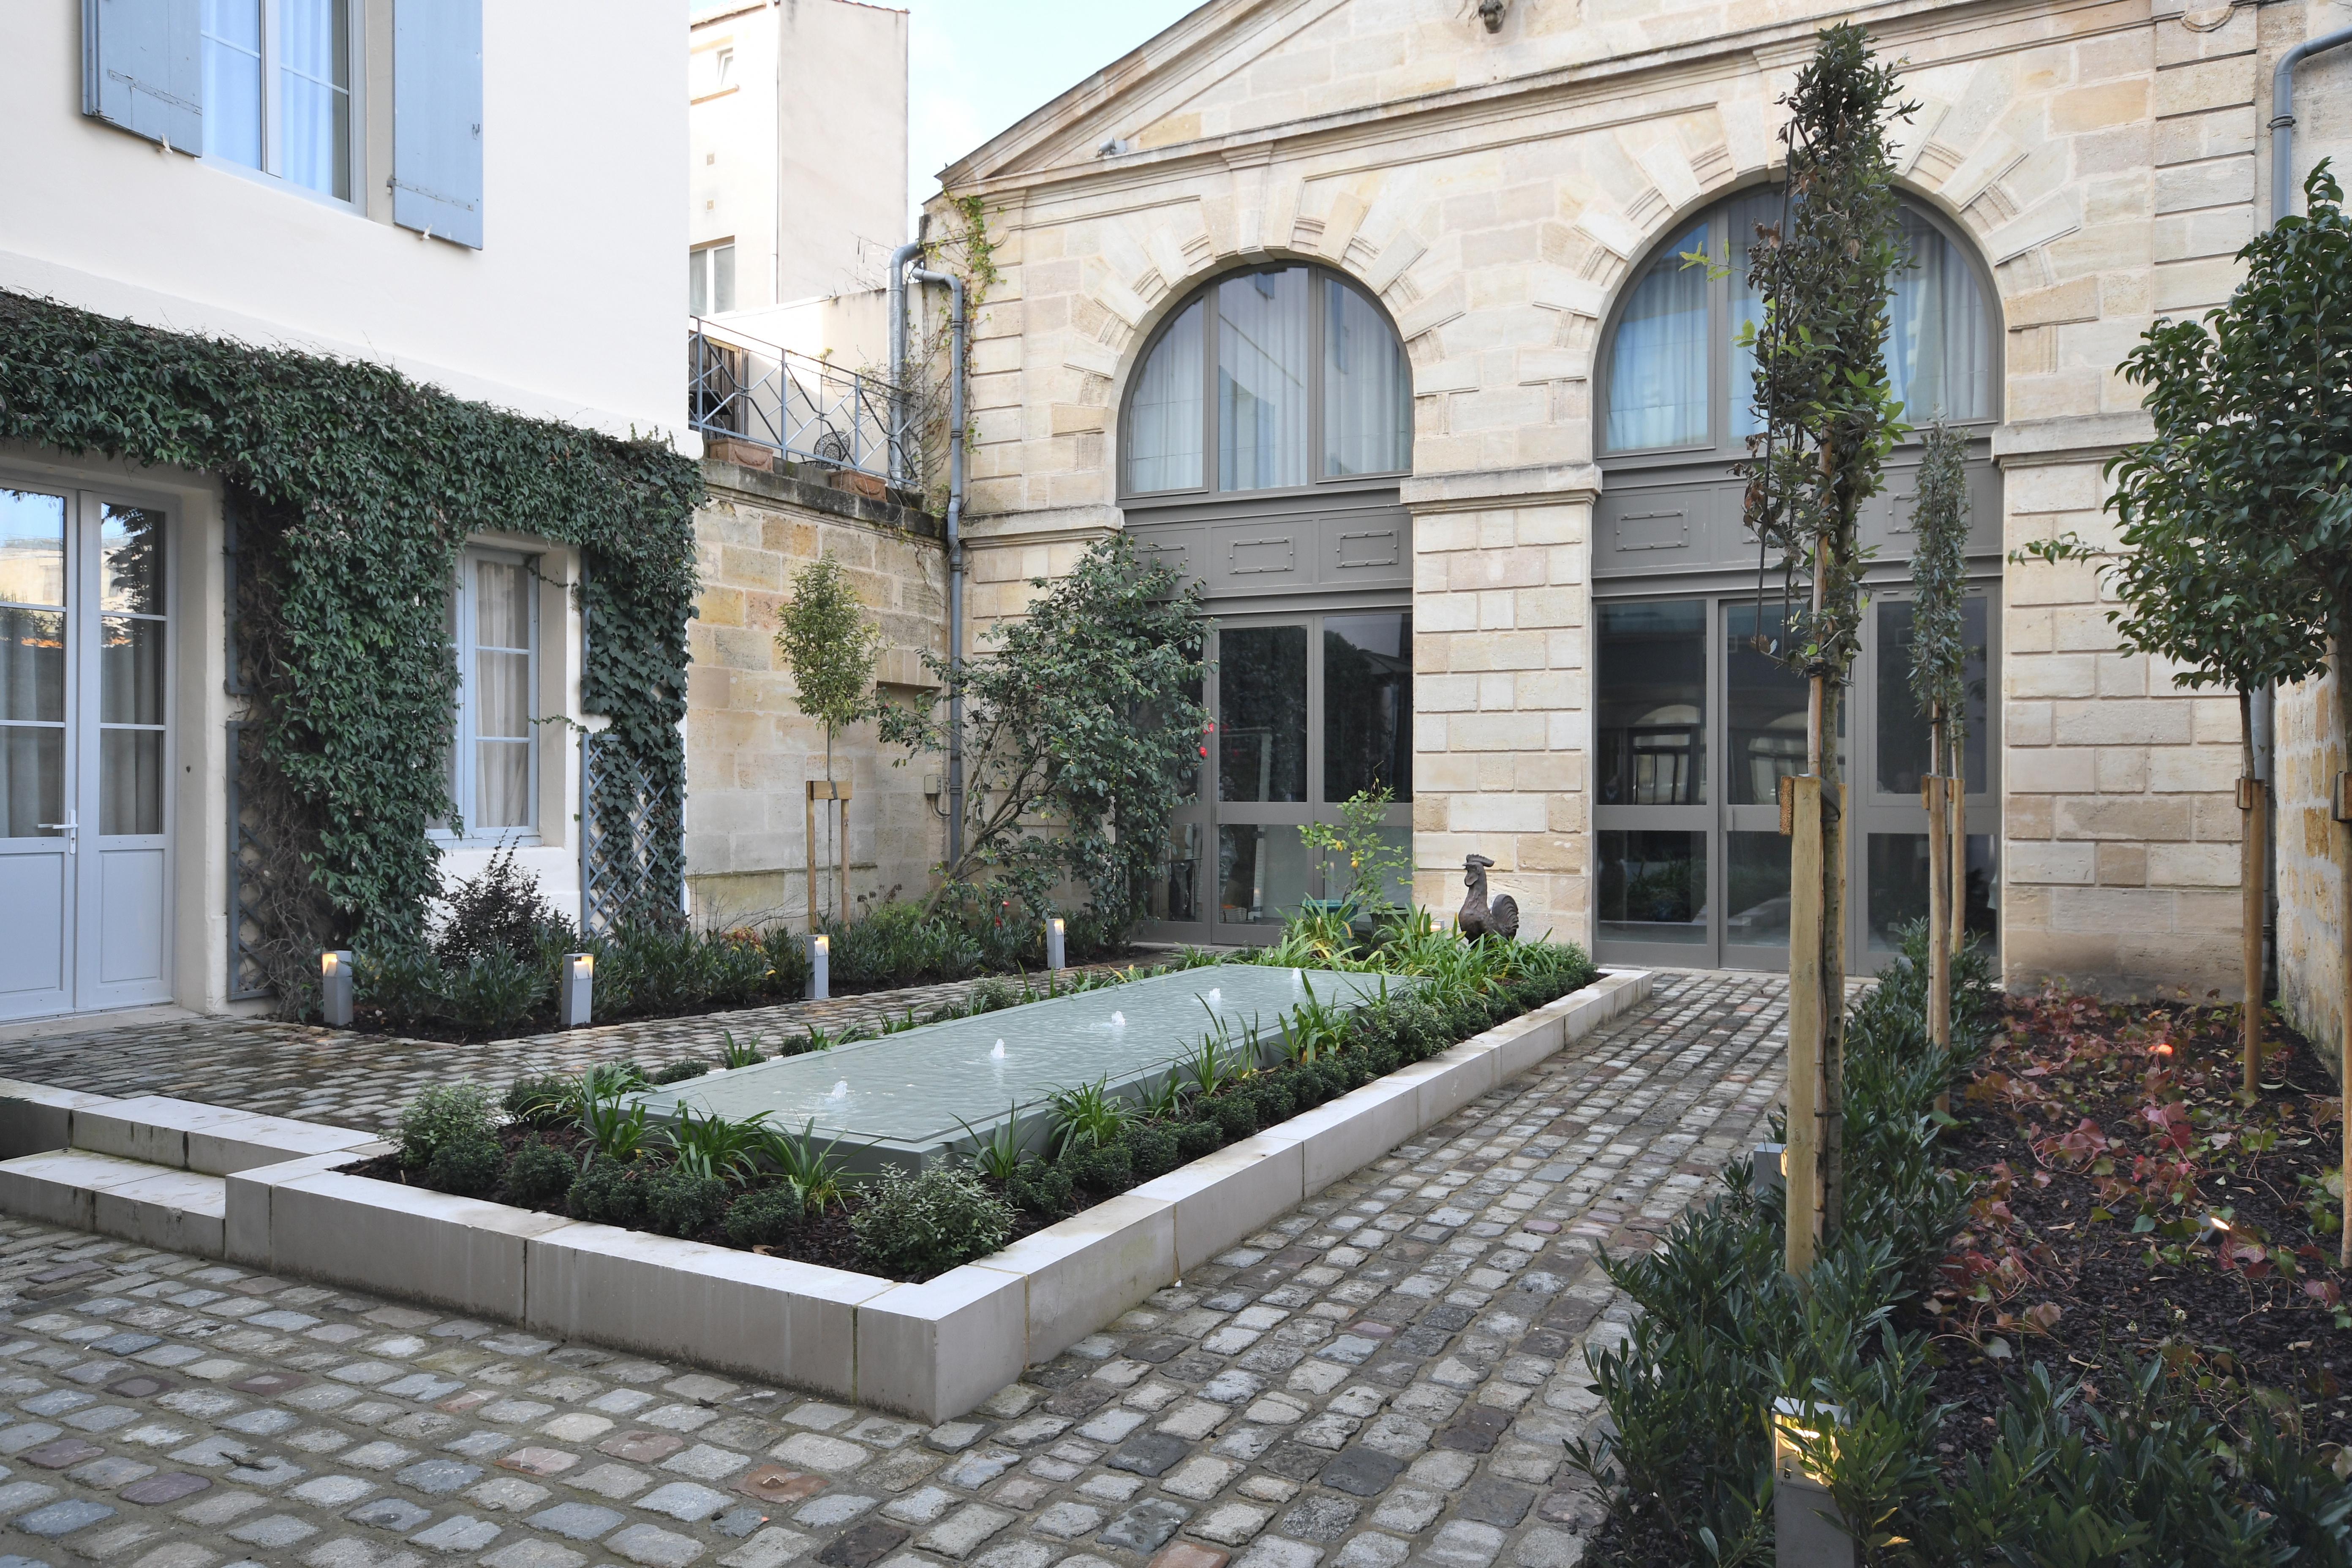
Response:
column 1801, row 1183
column 1832, row 985
column 1933, row 792
column 2344, row 937
column 1959, row 935
column 2251, row 804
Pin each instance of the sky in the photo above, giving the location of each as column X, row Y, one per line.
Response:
column 974, row 67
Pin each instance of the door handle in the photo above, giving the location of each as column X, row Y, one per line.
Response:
column 69, row 827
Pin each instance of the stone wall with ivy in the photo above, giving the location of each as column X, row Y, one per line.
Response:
column 355, row 488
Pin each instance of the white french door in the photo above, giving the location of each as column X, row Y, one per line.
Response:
column 85, row 856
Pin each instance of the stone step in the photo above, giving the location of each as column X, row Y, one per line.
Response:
column 155, row 1205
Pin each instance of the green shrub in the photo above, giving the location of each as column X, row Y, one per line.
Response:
column 1235, row 1114
column 738, row 968
column 665, row 970
column 1272, row 1095
column 496, row 991
column 467, row 1166
column 766, row 1216
column 1195, row 1138
column 786, row 950
column 403, row 981
column 994, row 995
column 608, row 1193
column 1100, row 1167
column 679, row 1072
column 897, row 944
column 454, row 1112
column 497, row 911
column 917, row 1226
column 1041, row 1190
column 542, row 1102
column 684, row 1202
column 1153, row 1150
column 538, row 1175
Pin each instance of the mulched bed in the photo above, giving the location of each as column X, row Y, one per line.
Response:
column 825, row 1239
column 2109, row 1131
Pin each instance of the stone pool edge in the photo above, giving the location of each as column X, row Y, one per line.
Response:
column 932, row 1350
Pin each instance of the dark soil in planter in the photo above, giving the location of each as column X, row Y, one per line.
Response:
column 2157, row 1083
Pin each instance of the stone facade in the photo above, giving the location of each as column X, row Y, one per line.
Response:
column 750, row 750
column 1495, row 191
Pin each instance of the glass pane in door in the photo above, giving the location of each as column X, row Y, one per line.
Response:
column 1262, row 713
column 1903, row 735
column 501, row 695
column 32, row 780
column 130, row 561
column 1768, row 706
column 1756, row 890
column 131, row 782
column 32, row 665
column 1897, row 875
column 1261, row 874
column 1175, row 891
column 1367, row 705
column 1652, row 887
column 32, row 548
column 1652, row 713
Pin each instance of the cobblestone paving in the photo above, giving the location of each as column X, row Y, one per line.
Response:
column 1385, row 1374
column 316, row 1074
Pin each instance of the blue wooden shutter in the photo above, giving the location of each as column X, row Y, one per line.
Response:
column 436, row 118
column 141, row 69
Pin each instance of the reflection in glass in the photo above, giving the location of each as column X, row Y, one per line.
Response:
column 1261, row 874
column 130, row 565
column 1653, row 887
column 1756, row 890
column 1904, row 742
column 32, row 548
column 1188, row 779
column 1898, row 888
column 1262, row 335
column 1163, row 421
column 131, row 782
column 1652, row 713
column 1657, row 361
column 1769, row 706
column 130, row 671
column 1262, row 713
column 314, row 88
column 1367, row 388
column 1739, row 221
column 1175, row 892
column 1367, row 705
column 231, row 30
column 33, row 665
column 1938, row 363
column 32, row 779
column 1338, row 878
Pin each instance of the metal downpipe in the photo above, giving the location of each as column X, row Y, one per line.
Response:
column 899, row 260
column 956, row 329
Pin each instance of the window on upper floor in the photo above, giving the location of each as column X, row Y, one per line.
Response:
column 278, row 88
column 711, row 280
column 493, row 758
column 1675, row 378
column 1273, row 379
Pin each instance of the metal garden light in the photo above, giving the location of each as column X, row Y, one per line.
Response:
column 1804, row 1518
column 1053, row 943
column 575, row 990
column 820, row 950
column 335, row 989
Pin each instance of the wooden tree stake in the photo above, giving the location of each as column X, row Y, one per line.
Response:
column 1803, row 1184
column 837, row 792
column 2255, row 801
column 1936, row 796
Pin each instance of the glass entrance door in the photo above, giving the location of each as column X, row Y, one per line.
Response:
column 1306, row 711
column 84, row 846
column 1695, row 725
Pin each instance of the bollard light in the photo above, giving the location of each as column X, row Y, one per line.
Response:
column 1805, row 1525
column 575, row 990
column 1768, row 1168
column 335, row 989
column 820, row 950
column 1053, row 943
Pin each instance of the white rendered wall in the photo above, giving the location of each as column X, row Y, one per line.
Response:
column 569, row 310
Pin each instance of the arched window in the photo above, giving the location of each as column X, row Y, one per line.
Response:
column 1675, row 379
column 1273, row 379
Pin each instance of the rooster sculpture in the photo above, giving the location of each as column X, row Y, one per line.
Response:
column 1479, row 914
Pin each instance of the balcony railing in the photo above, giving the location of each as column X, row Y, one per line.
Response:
column 802, row 408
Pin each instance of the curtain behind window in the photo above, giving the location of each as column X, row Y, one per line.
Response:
column 1937, row 357
column 1367, row 388
column 1658, row 365
column 1262, row 359
column 1163, row 421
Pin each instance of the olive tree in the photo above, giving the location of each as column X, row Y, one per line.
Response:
column 829, row 646
column 1828, row 417
column 1939, row 654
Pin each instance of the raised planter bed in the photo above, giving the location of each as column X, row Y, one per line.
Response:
column 933, row 1349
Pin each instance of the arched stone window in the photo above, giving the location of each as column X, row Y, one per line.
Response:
column 1264, row 432
column 1269, row 380
column 1692, row 727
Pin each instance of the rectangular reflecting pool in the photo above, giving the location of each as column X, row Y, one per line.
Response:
column 905, row 1098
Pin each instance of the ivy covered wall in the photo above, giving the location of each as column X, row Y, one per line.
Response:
column 355, row 488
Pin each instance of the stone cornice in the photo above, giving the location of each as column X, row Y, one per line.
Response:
column 2072, row 438
column 1492, row 490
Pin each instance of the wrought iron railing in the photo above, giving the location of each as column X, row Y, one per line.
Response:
column 805, row 409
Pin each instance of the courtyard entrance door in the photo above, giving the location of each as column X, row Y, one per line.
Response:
column 84, row 754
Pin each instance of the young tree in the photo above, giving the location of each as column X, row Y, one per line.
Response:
column 1082, row 732
column 830, row 648
column 1828, row 421
column 2237, row 515
column 1939, row 531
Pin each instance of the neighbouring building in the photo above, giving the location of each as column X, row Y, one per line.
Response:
column 483, row 197
column 1372, row 313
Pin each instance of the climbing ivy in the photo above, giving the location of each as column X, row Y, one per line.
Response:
column 354, row 491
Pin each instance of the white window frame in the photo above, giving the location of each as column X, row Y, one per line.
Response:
column 462, row 769
column 702, row 266
column 272, row 172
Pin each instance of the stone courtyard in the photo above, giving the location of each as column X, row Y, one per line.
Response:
column 1387, row 1373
